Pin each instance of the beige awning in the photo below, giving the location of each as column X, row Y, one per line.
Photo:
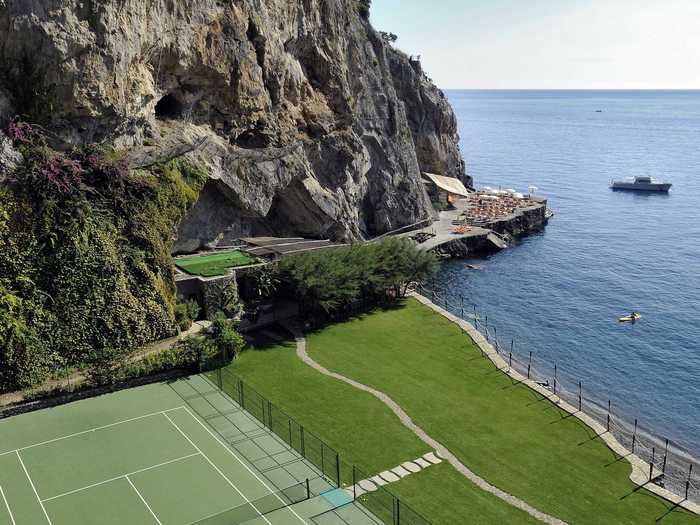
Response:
column 449, row 184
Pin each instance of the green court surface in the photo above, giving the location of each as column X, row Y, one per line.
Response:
column 213, row 265
column 175, row 453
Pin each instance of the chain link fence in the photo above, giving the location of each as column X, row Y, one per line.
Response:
column 380, row 502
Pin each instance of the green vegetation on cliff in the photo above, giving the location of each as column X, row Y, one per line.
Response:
column 85, row 268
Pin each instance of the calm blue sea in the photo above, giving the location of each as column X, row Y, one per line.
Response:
column 605, row 253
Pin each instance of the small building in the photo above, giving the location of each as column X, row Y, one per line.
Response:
column 444, row 190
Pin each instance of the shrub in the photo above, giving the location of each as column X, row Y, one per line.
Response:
column 185, row 314
column 86, row 274
column 227, row 340
column 363, row 7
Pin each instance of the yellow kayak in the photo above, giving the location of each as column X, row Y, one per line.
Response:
column 630, row 318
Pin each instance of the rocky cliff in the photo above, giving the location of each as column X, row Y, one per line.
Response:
column 308, row 123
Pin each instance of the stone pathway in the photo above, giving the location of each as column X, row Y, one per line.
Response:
column 438, row 447
column 393, row 475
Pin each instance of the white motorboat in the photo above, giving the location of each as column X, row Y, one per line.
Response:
column 640, row 184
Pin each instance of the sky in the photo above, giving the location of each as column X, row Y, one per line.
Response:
column 549, row 44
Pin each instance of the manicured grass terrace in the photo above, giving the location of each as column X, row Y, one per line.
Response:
column 505, row 432
column 366, row 433
column 213, row 265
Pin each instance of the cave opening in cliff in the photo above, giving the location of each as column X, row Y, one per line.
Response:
column 169, row 107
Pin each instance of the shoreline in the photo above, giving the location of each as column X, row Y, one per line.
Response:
column 641, row 469
column 479, row 240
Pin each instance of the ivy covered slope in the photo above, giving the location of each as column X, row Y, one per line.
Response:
column 85, row 268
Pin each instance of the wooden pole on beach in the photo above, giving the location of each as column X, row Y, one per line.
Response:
column 651, row 465
column 608, row 425
column 529, row 365
column 634, row 436
column 555, row 378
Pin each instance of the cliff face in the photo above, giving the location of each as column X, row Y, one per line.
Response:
column 308, row 123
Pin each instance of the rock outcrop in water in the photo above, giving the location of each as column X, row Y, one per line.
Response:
column 308, row 122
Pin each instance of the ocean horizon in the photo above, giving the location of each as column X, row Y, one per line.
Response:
column 560, row 292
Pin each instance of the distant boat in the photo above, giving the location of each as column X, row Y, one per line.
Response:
column 598, row 110
column 630, row 318
column 640, row 184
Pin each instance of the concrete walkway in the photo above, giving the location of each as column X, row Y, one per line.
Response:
column 408, row 423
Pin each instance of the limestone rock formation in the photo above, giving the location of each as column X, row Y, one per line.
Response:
column 308, row 122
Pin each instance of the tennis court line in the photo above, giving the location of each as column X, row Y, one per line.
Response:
column 90, row 430
column 115, row 478
column 7, row 505
column 217, row 469
column 239, row 460
column 144, row 500
column 33, row 487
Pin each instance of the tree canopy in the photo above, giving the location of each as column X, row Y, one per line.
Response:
column 333, row 278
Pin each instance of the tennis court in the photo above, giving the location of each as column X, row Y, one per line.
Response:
column 177, row 453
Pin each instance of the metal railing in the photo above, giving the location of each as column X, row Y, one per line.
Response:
column 669, row 466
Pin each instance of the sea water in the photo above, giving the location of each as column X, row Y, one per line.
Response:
column 560, row 292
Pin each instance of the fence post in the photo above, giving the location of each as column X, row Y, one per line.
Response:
column 651, row 464
column 398, row 511
column 555, row 379
column 354, row 484
column 301, row 437
column 687, row 483
column 461, row 299
column 529, row 364
column 262, row 404
column 308, row 489
column 634, row 436
column 323, row 464
column 608, row 424
column 289, row 421
column 241, row 393
column 663, row 468
column 220, row 379
column 337, row 469
column 510, row 359
column 579, row 396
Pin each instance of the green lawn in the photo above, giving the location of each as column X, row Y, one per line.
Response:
column 365, row 432
column 213, row 265
column 451, row 502
column 505, row 432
